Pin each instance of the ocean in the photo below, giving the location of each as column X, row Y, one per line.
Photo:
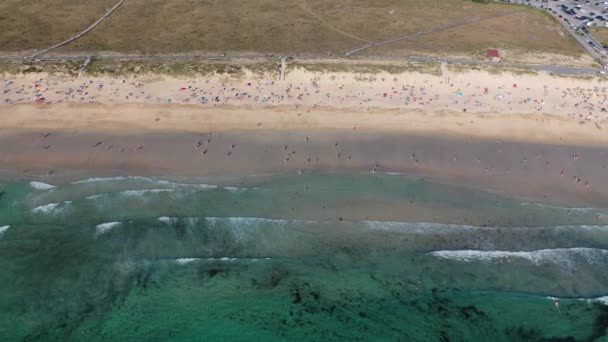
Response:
column 314, row 256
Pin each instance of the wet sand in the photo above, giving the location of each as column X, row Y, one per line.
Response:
column 559, row 174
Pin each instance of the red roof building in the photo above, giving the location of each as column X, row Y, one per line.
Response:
column 491, row 54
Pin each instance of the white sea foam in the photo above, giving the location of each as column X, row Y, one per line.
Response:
column 95, row 180
column 426, row 227
column 141, row 193
column 416, row 227
column 3, row 230
column 167, row 220
column 41, row 186
column 149, row 180
column 561, row 256
column 135, row 193
column 392, row 173
column 582, row 210
column 52, row 208
column 191, row 221
column 248, row 221
column 183, row 261
column 234, row 189
column 602, row 300
column 105, row 227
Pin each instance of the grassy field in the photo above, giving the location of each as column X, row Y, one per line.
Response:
column 521, row 37
column 26, row 25
column 600, row 33
column 280, row 27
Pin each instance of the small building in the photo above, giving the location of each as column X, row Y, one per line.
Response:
column 493, row 55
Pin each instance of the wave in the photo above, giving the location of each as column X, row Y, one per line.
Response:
column 3, row 230
column 236, row 189
column 601, row 300
column 95, row 180
column 235, row 221
column 135, row 193
column 41, row 186
column 239, row 221
column 146, row 179
column 562, row 256
column 416, row 227
column 581, row 210
column 406, row 227
column 105, row 227
column 52, row 208
column 174, row 220
column 183, row 261
column 427, row 227
column 242, row 228
column 140, row 193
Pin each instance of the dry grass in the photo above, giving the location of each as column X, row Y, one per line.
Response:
column 268, row 68
column 492, row 69
column 183, row 68
column 281, row 27
column 235, row 68
column 366, row 67
column 600, row 33
column 520, row 33
column 26, row 25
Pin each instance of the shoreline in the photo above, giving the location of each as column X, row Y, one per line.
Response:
column 535, row 136
column 533, row 172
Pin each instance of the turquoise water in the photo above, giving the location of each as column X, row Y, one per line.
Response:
column 296, row 257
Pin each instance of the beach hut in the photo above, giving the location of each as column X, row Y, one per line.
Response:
column 493, row 55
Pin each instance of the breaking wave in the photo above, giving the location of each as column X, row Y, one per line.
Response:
column 3, row 230
column 147, row 180
column 52, row 208
column 426, row 227
column 41, row 186
column 581, row 210
column 562, row 256
column 183, row 261
column 105, row 227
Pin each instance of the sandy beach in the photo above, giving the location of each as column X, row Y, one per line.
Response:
column 538, row 136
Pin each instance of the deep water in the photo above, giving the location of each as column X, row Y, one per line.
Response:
column 301, row 257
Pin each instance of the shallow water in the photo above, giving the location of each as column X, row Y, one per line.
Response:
column 296, row 257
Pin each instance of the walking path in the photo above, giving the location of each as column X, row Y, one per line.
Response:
column 188, row 57
column 87, row 30
column 428, row 31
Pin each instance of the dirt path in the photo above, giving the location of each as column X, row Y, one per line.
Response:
column 87, row 30
column 428, row 31
column 306, row 8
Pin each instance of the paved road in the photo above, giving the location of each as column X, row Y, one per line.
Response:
column 428, row 31
column 87, row 30
column 548, row 68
